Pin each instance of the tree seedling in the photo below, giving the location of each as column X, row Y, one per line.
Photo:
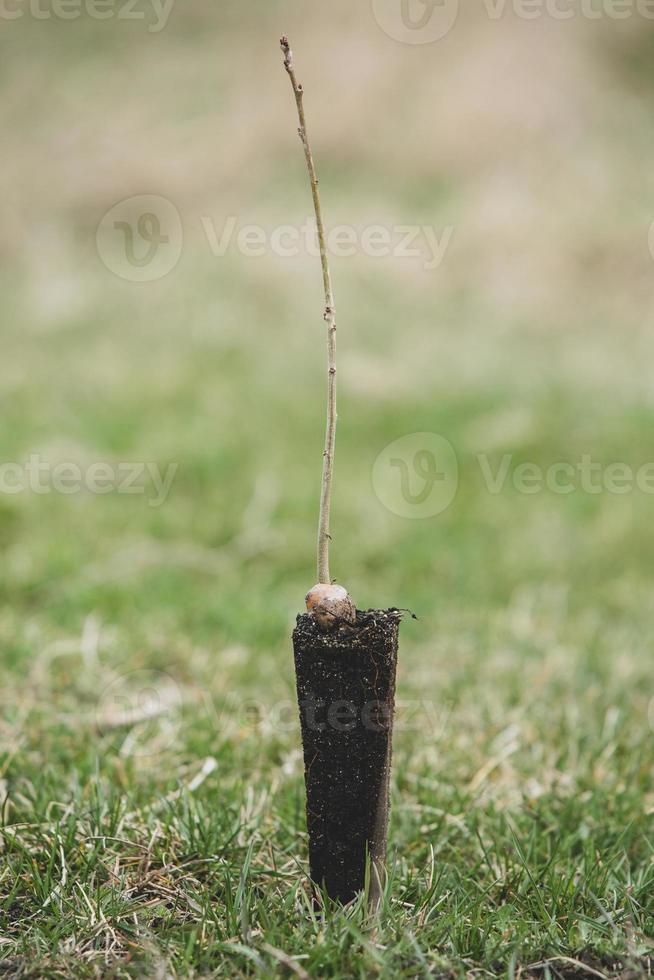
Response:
column 345, row 665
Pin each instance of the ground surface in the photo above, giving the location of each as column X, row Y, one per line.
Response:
column 150, row 768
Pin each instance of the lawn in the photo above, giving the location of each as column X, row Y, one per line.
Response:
column 151, row 782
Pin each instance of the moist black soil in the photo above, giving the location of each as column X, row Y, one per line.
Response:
column 346, row 695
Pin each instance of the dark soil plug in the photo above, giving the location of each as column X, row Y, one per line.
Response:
column 346, row 693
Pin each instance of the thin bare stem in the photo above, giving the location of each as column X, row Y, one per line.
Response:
column 330, row 319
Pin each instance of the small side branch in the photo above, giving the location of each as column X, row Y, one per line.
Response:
column 330, row 319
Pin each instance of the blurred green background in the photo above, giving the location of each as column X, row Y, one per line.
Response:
column 531, row 140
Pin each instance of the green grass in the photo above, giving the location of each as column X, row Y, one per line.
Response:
column 523, row 800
